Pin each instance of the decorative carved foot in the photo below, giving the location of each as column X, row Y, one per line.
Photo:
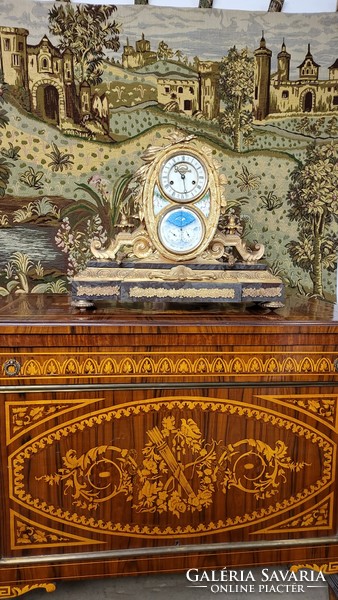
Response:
column 272, row 305
column 8, row 591
column 82, row 304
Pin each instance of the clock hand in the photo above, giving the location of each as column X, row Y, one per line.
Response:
column 183, row 179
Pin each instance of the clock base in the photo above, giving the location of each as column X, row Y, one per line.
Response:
column 142, row 281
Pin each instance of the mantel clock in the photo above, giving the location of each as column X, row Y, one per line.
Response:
column 185, row 246
column 182, row 203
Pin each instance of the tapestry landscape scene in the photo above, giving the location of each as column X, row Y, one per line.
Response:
column 86, row 89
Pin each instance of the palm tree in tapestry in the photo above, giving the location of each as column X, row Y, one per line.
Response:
column 313, row 200
column 87, row 31
column 236, row 86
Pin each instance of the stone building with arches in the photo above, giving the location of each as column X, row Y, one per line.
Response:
column 42, row 79
column 189, row 94
column 51, row 82
column 195, row 94
column 277, row 94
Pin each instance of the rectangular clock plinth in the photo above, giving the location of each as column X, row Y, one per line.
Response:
column 160, row 282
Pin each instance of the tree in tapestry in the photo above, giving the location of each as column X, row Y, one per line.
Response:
column 85, row 89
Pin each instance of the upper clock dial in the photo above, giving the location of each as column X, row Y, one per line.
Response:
column 183, row 177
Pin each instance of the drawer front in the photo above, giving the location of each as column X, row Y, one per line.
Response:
column 184, row 363
column 136, row 468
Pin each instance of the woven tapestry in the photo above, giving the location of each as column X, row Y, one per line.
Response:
column 86, row 89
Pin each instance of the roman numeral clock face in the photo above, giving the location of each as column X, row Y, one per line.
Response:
column 182, row 205
column 183, row 177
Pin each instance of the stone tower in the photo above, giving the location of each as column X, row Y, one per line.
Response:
column 308, row 70
column 13, row 61
column 333, row 70
column 283, row 64
column 262, row 80
column 209, row 98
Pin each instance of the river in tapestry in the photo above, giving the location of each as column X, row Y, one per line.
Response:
column 36, row 242
column 80, row 105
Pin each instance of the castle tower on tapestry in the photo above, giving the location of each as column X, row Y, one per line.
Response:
column 277, row 94
column 333, row 70
column 283, row 64
column 42, row 78
column 14, row 63
column 262, row 80
column 141, row 55
column 209, row 97
column 308, row 70
column 51, row 82
column 142, row 45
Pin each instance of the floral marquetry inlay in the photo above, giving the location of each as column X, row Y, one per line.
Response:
column 322, row 406
column 22, row 417
column 157, row 364
column 177, row 468
column 25, row 533
column 163, row 476
column 318, row 517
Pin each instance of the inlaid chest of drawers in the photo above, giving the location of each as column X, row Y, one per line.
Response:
column 155, row 439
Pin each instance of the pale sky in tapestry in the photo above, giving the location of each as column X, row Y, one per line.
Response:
column 225, row 29
column 294, row 6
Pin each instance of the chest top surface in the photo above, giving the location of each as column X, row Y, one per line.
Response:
column 56, row 313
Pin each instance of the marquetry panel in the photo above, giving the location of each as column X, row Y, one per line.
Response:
column 174, row 467
column 318, row 516
column 21, row 417
column 26, row 533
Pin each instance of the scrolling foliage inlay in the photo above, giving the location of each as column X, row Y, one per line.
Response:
column 163, row 478
column 177, row 468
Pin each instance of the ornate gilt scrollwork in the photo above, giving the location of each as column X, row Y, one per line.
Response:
column 233, row 240
column 324, row 568
column 182, row 273
column 135, row 244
